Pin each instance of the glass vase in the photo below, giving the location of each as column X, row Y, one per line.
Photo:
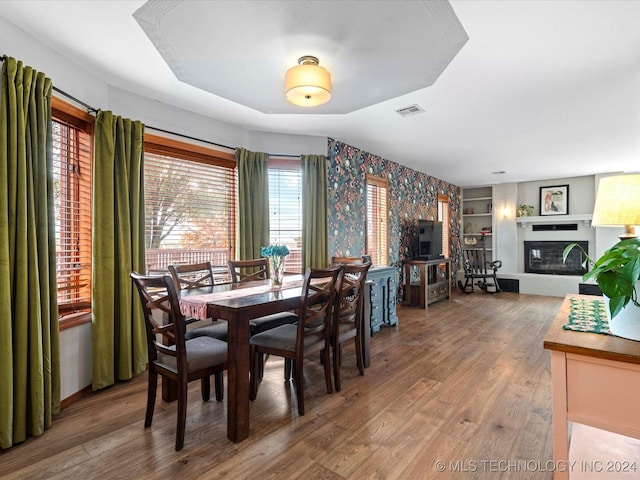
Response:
column 277, row 271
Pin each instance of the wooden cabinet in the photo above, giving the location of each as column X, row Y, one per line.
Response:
column 427, row 281
column 382, row 303
column 477, row 217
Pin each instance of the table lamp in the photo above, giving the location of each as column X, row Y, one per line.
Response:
column 618, row 203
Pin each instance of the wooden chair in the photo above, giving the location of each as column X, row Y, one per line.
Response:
column 170, row 355
column 478, row 270
column 335, row 261
column 311, row 334
column 197, row 275
column 248, row 270
column 348, row 318
column 241, row 272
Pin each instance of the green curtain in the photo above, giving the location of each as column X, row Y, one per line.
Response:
column 29, row 336
column 253, row 203
column 314, row 212
column 119, row 344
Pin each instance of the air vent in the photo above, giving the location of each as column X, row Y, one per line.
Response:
column 410, row 110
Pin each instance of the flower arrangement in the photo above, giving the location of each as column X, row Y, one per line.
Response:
column 275, row 254
column 276, row 250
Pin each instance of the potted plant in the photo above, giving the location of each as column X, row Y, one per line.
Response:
column 617, row 273
column 525, row 210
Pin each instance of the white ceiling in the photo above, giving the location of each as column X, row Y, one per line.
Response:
column 541, row 89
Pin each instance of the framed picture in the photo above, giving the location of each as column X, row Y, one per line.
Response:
column 554, row 200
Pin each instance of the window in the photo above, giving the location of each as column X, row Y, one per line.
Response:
column 190, row 204
column 72, row 131
column 285, row 209
column 377, row 213
column 443, row 216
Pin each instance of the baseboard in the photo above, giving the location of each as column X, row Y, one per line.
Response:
column 71, row 399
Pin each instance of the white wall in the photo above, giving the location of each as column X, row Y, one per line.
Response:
column 75, row 343
column 506, row 230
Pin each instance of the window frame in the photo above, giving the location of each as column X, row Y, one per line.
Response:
column 276, row 163
column 64, row 112
column 378, row 183
column 191, row 152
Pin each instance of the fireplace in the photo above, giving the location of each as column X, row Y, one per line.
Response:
column 546, row 257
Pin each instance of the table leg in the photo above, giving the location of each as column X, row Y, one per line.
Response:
column 238, row 379
column 559, row 412
column 366, row 324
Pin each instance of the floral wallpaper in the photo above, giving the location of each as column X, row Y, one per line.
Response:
column 413, row 196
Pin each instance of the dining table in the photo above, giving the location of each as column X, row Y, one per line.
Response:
column 238, row 304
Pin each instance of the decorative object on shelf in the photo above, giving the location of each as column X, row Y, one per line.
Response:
column 308, row 84
column 617, row 273
column 470, row 240
column 554, row 200
column 275, row 254
column 467, row 228
column 618, row 203
column 468, row 211
column 525, row 210
column 485, row 231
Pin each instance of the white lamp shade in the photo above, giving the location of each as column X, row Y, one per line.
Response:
column 308, row 85
column 617, row 201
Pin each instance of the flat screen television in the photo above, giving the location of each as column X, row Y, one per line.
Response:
column 429, row 239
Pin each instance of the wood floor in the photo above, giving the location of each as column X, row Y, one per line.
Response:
column 465, row 382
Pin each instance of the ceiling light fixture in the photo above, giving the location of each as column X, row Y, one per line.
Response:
column 308, row 84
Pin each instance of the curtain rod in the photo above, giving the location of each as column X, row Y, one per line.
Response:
column 95, row 110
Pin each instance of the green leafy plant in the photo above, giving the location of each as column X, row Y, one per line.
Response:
column 617, row 272
column 525, row 210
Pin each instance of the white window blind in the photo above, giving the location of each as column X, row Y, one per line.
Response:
column 72, row 203
column 377, row 214
column 285, row 211
column 190, row 211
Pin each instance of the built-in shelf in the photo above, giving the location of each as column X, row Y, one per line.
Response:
column 586, row 218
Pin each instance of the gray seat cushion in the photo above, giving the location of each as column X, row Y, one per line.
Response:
column 202, row 352
column 283, row 338
column 262, row 324
column 216, row 329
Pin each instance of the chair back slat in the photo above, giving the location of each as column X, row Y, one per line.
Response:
column 317, row 302
column 164, row 322
column 193, row 275
column 350, row 296
column 337, row 261
column 248, row 270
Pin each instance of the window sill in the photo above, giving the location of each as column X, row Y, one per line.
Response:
column 73, row 320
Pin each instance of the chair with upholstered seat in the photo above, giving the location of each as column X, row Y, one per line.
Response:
column 197, row 275
column 335, row 261
column 170, row 355
column 348, row 318
column 311, row 334
column 250, row 270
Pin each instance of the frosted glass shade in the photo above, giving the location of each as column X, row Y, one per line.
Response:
column 308, row 85
column 617, row 202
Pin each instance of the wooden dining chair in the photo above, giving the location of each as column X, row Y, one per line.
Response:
column 198, row 275
column 170, row 354
column 251, row 270
column 311, row 334
column 335, row 261
column 348, row 317
column 248, row 270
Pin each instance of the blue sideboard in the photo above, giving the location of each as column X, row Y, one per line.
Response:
column 383, row 283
